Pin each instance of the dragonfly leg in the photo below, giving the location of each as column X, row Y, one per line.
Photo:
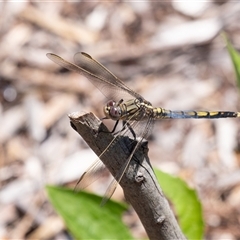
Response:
column 125, row 125
column 115, row 126
column 130, row 128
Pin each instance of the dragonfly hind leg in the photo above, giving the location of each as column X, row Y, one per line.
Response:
column 125, row 125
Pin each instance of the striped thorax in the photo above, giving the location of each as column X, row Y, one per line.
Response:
column 133, row 109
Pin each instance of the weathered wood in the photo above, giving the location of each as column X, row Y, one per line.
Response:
column 139, row 183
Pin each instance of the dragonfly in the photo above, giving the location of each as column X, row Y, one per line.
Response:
column 137, row 114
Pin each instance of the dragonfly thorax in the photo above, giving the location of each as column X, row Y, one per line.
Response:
column 132, row 109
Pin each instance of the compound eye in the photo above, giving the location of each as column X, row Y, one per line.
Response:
column 111, row 103
column 115, row 112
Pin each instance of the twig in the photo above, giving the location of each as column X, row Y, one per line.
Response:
column 139, row 184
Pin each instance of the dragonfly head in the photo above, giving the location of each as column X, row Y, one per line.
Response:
column 112, row 110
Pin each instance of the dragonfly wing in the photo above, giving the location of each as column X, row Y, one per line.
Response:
column 142, row 127
column 91, row 65
column 113, row 185
column 96, row 170
column 92, row 70
column 110, row 190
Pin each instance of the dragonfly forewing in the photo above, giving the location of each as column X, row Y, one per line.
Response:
column 91, row 65
column 111, row 87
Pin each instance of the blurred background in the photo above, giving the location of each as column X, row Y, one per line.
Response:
column 170, row 52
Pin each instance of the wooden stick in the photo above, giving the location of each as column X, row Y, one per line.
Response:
column 139, row 183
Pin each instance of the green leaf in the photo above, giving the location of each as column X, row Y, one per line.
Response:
column 185, row 203
column 235, row 57
column 84, row 216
